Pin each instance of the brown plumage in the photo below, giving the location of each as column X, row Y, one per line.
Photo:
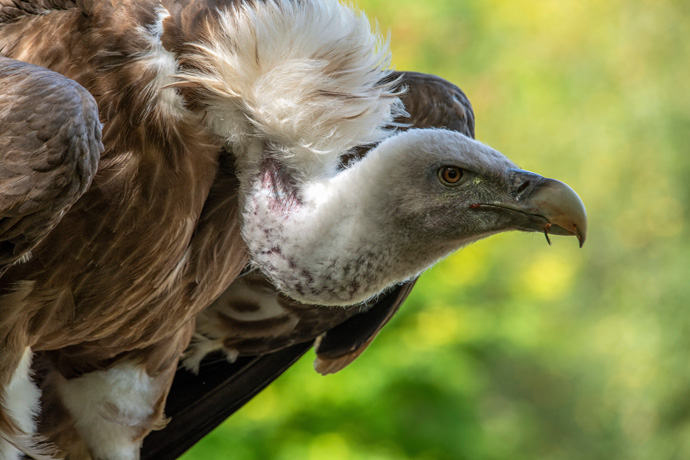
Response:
column 123, row 261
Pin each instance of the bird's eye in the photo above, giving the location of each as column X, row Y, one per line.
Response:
column 450, row 175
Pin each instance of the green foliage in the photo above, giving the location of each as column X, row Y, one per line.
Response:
column 511, row 349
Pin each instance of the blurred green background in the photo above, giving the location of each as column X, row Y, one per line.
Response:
column 511, row 349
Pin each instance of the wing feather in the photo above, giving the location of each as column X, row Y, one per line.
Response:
column 50, row 144
column 433, row 102
column 11, row 10
column 338, row 347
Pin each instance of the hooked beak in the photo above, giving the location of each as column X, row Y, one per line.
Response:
column 539, row 204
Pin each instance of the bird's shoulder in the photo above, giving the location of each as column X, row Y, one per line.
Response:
column 50, row 146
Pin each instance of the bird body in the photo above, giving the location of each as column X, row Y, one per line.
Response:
column 226, row 125
column 122, row 276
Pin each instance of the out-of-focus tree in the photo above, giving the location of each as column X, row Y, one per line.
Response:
column 511, row 349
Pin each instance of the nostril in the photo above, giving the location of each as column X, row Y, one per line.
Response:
column 523, row 187
column 522, row 182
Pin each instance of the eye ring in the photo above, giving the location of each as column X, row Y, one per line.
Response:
column 450, row 175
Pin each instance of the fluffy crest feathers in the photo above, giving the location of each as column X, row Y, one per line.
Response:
column 304, row 76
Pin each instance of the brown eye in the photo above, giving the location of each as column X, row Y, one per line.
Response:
column 450, row 175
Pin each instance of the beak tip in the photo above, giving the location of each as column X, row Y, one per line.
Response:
column 563, row 208
column 581, row 236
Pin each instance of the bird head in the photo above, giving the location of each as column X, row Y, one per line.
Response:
column 445, row 189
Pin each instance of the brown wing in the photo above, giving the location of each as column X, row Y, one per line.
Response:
column 50, row 144
column 139, row 239
column 252, row 318
column 433, row 102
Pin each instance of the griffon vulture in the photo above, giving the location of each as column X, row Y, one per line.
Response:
column 226, row 130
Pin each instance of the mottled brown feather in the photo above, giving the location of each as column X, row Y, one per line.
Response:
column 430, row 102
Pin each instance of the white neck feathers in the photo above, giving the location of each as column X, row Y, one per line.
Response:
column 326, row 240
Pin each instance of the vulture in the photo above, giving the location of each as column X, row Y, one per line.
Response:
column 185, row 177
